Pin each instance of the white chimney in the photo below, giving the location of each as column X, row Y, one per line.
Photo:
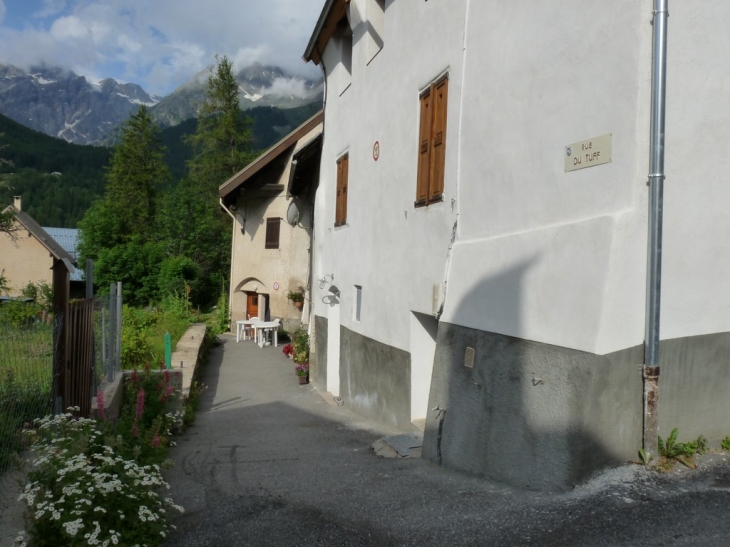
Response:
column 18, row 202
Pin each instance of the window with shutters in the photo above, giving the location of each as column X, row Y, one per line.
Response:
column 432, row 143
column 341, row 203
column 273, row 225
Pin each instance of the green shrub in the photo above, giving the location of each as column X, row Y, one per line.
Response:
column 19, row 314
column 136, row 351
column 176, row 273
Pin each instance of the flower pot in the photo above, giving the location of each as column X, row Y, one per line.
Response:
column 299, row 305
column 303, row 380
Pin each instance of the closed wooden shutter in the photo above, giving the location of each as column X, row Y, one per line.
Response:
column 438, row 140
column 341, row 202
column 273, row 226
column 424, row 151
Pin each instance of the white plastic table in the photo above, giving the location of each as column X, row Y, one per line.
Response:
column 263, row 328
column 243, row 325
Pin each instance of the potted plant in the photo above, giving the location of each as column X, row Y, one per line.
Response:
column 289, row 351
column 300, row 355
column 297, row 298
column 302, row 370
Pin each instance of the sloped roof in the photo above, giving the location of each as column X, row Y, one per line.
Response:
column 27, row 221
column 332, row 12
column 68, row 239
column 237, row 180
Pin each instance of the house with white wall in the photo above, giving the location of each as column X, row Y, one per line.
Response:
column 481, row 228
column 270, row 202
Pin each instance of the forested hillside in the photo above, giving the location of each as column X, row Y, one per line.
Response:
column 57, row 180
column 61, row 200
column 270, row 124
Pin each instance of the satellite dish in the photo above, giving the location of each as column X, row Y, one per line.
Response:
column 293, row 214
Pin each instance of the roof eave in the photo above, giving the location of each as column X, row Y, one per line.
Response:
column 312, row 53
column 260, row 163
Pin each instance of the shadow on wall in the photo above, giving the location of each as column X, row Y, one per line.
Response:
column 254, row 216
column 527, row 413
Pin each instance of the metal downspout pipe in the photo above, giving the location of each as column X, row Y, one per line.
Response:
column 656, row 203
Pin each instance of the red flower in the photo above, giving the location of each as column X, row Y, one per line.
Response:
column 140, row 405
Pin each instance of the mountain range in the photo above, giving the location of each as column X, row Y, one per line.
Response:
column 62, row 104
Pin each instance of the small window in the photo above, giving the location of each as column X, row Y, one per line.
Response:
column 273, row 226
column 358, row 303
column 432, row 144
column 341, row 204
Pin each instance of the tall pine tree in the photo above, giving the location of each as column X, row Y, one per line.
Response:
column 222, row 145
column 119, row 230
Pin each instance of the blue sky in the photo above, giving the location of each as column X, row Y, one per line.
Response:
column 157, row 44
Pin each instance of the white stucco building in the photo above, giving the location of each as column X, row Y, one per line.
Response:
column 270, row 201
column 471, row 275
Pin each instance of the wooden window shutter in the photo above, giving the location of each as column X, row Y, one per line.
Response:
column 438, row 140
column 273, row 227
column 341, row 202
column 424, row 150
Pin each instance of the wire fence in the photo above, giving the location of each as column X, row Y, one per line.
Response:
column 27, row 374
column 26, row 385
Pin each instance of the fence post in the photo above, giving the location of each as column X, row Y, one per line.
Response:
column 112, row 332
column 89, row 278
column 168, row 351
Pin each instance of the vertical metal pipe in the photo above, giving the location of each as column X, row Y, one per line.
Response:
column 118, row 362
column 656, row 204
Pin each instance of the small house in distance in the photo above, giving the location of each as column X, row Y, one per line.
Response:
column 270, row 202
column 29, row 256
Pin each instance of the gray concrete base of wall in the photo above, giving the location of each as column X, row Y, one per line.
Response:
column 546, row 417
column 531, row 414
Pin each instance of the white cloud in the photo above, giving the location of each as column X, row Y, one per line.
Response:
column 68, row 28
column 247, row 56
column 50, row 7
column 295, row 87
column 161, row 47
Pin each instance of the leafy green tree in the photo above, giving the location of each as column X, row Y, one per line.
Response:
column 136, row 264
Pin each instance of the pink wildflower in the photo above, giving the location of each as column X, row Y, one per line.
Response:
column 155, row 441
column 140, row 405
column 100, row 404
column 167, row 376
column 168, row 391
column 135, row 430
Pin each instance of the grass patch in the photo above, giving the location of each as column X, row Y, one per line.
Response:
column 26, row 383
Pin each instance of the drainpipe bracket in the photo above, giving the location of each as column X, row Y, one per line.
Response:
column 650, row 373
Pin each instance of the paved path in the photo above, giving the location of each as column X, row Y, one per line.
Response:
column 269, row 462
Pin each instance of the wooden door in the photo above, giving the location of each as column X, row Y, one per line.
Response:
column 252, row 305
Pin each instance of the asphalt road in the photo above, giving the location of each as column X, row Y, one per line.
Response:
column 271, row 463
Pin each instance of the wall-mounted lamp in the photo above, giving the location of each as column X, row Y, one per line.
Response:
column 325, row 280
column 335, row 291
